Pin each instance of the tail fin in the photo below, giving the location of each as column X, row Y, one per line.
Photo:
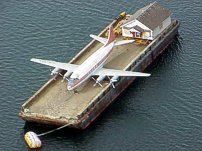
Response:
column 111, row 36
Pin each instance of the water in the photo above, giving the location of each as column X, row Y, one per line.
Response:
column 162, row 112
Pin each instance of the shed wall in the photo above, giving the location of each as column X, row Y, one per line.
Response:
column 158, row 29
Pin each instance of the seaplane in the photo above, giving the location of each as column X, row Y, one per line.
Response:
column 93, row 65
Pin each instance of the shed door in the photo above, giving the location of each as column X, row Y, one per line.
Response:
column 137, row 35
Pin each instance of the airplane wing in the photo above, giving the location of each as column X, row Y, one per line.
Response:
column 64, row 66
column 113, row 72
column 98, row 38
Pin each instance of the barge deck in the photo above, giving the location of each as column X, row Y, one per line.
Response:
column 52, row 104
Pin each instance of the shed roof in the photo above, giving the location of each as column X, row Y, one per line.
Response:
column 138, row 28
column 151, row 15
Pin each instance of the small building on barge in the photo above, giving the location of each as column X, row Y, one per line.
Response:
column 147, row 23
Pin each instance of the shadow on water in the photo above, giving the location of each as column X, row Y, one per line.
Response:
column 117, row 108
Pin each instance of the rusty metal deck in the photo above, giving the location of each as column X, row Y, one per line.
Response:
column 58, row 103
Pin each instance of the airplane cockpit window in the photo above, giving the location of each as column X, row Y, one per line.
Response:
column 72, row 81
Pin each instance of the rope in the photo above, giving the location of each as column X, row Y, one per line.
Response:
column 54, row 129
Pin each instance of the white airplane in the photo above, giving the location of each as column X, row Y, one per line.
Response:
column 93, row 66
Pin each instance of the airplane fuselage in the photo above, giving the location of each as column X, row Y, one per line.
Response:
column 89, row 66
column 93, row 65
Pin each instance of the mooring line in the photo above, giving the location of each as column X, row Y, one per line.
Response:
column 54, row 129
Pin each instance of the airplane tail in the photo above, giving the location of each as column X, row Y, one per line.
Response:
column 111, row 36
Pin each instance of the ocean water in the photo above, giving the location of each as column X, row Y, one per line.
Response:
column 162, row 112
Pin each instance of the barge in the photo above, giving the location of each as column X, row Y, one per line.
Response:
column 52, row 104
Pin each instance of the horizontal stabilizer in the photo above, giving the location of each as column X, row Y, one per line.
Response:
column 100, row 39
column 104, row 40
column 117, row 43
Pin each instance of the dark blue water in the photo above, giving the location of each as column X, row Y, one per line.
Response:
column 162, row 112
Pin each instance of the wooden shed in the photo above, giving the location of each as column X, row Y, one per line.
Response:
column 147, row 22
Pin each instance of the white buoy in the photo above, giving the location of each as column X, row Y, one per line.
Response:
column 32, row 140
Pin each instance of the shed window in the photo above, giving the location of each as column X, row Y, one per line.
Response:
column 161, row 26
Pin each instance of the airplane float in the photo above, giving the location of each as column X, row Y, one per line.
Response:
column 92, row 66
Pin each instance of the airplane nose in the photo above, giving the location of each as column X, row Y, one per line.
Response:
column 69, row 88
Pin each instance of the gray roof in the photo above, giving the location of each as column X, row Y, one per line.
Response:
column 151, row 16
column 138, row 28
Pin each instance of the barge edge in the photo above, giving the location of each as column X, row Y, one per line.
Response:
column 109, row 95
column 126, row 81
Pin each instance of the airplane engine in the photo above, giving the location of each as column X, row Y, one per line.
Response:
column 100, row 78
column 114, row 78
column 66, row 75
column 55, row 71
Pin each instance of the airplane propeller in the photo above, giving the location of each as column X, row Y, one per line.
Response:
column 99, row 79
column 97, row 82
column 54, row 72
column 113, row 80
